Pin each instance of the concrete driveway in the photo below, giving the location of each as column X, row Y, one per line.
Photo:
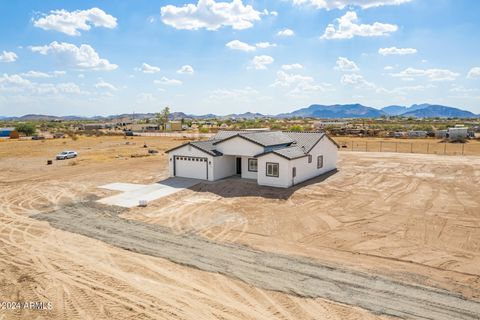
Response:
column 132, row 193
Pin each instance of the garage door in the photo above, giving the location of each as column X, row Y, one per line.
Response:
column 191, row 167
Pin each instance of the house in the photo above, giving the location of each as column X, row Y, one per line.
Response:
column 8, row 133
column 272, row 158
column 457, row 133
column 417, row 134
column 173, row 126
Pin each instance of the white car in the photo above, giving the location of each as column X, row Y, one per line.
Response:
column 66, row 155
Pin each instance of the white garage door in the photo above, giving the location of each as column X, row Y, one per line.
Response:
column 191, row 167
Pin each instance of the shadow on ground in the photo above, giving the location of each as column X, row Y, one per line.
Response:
column 237, row 187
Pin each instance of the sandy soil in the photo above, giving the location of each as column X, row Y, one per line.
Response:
column 288, row 274
column 413, row 218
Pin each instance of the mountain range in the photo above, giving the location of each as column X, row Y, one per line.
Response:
column 424, row 110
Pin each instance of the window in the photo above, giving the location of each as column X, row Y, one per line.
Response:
column 272, row 169
column 309, row 158
column 252, row 165
column 294, row 172
column 319, row 162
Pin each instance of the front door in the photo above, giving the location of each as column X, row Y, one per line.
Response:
column 239, row 166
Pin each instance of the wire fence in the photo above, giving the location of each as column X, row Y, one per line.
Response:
column 412, row 147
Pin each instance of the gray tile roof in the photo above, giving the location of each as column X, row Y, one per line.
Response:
column 288, row 144
column 305, row 139
column 207, row 146
column 290, row 152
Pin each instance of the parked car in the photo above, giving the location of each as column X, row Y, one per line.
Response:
column 66, row 155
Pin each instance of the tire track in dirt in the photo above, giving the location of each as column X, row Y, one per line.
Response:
column 293, row 275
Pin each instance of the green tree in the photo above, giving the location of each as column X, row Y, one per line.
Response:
column 26, row 128
column 296, row 128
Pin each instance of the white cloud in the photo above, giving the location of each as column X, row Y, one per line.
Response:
column 403, row 91
column 292, row 66
column 39, row 74
column 146, row 68
column 348, row 28
column 233, row 94
column 83, row 57
column 8, row 56
column 356, row 80
column 261, row 62
column 341, row 4
column 16, row 83
column 239, row 45
column 286, row 33
column 461, row 89
column 167, row 81
column 265, row 45
column 186, row 69
column 474, row 73
column 300, row 84
column 105, row 85
column 210, row 15
column 430, row 74
column 345, row 65
column 14, row 79
column 396, row 51
column 387, row 68
column 71, row 22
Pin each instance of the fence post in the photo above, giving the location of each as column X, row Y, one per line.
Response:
column 428, row 147
column 463, row 148
column 396, row 146
column 381, row 146
column 366, row 146
column 445, row 148
column 352, row 145
column 411, row 147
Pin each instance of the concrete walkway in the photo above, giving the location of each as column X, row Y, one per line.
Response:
column 133, row 193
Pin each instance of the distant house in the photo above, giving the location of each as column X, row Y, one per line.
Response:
column 93, row 126
column 8, row 133
column 173, row 126
column 441, row 134
column 457, row 133
column 417, row 134
column 272, row 158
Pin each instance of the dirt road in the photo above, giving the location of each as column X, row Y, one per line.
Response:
column 294, row 275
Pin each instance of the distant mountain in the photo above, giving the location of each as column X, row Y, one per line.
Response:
column 433, row 111
column 424, row 110
column 394, row 110
column 335, row 111
column 246, row 115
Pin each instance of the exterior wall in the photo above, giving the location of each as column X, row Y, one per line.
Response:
column 239, row 147
column 284, row 179
column 304, row 169
column 190, row 151
column 245, row 173
column 223, row 167
column 307, row 170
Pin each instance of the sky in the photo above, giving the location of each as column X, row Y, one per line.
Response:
column 220, row 56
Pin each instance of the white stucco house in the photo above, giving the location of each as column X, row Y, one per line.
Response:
column 272, row 158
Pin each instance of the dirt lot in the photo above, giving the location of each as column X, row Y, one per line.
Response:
column 410, row 218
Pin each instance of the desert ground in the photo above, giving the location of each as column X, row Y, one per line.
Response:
column 385, row 223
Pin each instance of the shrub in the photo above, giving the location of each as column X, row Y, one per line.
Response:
column 26, row 128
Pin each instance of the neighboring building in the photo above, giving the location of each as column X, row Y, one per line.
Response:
column 8, row 133
column 441, row 134
column 322, row 124
column 173, row 126
column 457, row 133
column 143, row 127
column 94, row 126
column 417, row 134
column 273, row 158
